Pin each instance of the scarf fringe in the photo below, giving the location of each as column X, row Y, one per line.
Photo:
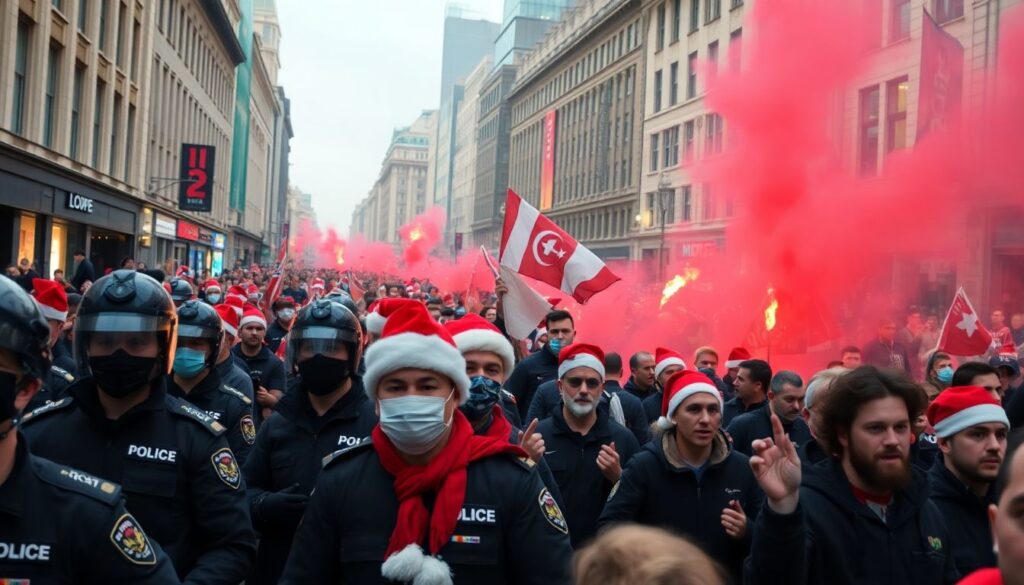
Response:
column 411, row 565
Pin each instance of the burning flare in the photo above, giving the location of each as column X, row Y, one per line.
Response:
column 339, row 255
column 416, row 234
column 677, row 282
column 769, row 313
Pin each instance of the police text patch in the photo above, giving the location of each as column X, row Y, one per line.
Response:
column 226, row 467
column 478, row 515
column 129, row 538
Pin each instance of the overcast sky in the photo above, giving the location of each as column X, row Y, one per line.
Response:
column 354, row 71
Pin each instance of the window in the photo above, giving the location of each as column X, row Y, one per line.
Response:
column 947, row 10
column 737, row 3
column 83, row 15
column 49, row 105
column 712, row 10
column 58, row 4
column 735, row 50
column 689, row 135
column 691, row 76
column 654, row 152
column 19, row 103
column 896, row 114
column 869, row 131
column 713, row 134
column 694, row 15
column 115, row 127
column 136, row 42
column 657, row 91
column 104, row 6
column 650, row 209
column 673, row 84
column 687, row 202
column 671, row 149
column 76, row 109
column 677, row 18
column 899, row 21
column 129, row 143
column 97, row 118
column 660, row 43
column 712, row 63
column 122, row 28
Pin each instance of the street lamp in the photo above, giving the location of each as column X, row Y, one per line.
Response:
column 665, row 192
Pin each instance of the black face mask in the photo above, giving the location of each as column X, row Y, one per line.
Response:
column 8, row 391
column 322, row 375
column 484, row 393
column 120, row 373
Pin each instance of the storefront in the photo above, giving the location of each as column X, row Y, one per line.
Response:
column 48, row 215
column 217, row 256
column 246, row 248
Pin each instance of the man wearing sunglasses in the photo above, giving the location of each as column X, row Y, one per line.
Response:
column 584, row 447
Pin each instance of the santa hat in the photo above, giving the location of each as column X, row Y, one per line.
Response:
column 374, row 320
column 412, row 339
column 737, row 356
column 252, row 315
column 1006, row 358
column 580, row 355
column 318, row 283
column 211, row 285
column 229, row 317
column 236, row 292
column 682, row 385
column 251, row 290
column 962, row 407
column 185, row 272
column 51, row 298
column 474, row 333
column 664, row 358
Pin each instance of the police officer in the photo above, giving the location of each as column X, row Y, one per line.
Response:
column 57, row 524
column 195, row 379
column 181, row 290
column 178, row 473
column 376, row 504
column 324, row 410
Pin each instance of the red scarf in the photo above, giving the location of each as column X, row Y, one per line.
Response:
column 444, row 475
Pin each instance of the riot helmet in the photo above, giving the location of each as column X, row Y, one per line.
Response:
column 198, row 320
column 345, row 300
column 181, row 291
column 320, row 328
column 23, row 329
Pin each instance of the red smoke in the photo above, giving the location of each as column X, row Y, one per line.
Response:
column 420, row 235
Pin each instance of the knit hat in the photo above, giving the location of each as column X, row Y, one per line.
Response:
column 51, row 298
column 412, row 339
column 737, row 356
column 474, row 333
column 682, row 385
column 374, row 320
column 236, row 292
column 252, row 315
column 580, row 355
column 251, row 290
column 211, row 285
column 229, row 318
column 962, row 407
column 664, row 358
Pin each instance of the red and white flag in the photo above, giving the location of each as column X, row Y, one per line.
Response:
column 534, row 246
column 963, row 334
column 523, row 307
column 276, row 282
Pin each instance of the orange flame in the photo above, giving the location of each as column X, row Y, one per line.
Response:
column 416, row 233
column 677, row 282
column 339, row 255
column 769, row 312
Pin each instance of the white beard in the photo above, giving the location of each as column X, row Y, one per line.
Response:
column 578, row 410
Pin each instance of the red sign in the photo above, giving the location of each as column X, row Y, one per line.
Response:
column 188, row 231
column 942, row 78
column 196, row 175
column 547, row 170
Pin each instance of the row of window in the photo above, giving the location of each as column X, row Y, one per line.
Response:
column 710, row 68
column 600, row 225
column 627, row 39
column 183, row 34
column 871, row 123
column 664, row 145
column 104, row 29
column 680, row 205
column 712, row 12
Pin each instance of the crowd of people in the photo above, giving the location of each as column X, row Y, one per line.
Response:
column 318, row 426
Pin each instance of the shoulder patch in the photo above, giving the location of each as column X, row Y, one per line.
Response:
column 552, row 513
column 71, row 479
column 226, row 467
column 236, row 393
column 63, row 373
column 190, row 411
column 128, row 538
column 248, row 429
column 347, row 451
column 48, row 408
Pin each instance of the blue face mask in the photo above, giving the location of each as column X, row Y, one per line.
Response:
column 213, row 299
column 945, row 375
column 414, row 423
column 188, row 362
column 554, row 346
column 483, row 395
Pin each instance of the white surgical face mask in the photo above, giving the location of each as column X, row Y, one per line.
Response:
column 286, row 314
column 414, row 424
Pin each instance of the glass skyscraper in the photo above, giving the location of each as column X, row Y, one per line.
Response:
column 524, row 24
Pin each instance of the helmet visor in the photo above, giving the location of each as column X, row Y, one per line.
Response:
column 198, row 332
column 121, row 322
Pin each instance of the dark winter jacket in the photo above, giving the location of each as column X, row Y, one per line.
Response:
column 967, row 517
column 757, row 424
column 635, row 390
column 547, row 400
column 832, row 538
column 652, row 407
column 657, row 492
column 531, row 372
column 735, row 407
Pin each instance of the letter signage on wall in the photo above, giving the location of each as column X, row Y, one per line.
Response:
column 196, row 190
column 547, row 169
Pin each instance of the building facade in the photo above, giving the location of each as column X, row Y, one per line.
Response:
column 492, row 156
column 464, row 165
column 577, row 111
column 524, row 23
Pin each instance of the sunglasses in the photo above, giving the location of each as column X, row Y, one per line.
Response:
column 576, row 382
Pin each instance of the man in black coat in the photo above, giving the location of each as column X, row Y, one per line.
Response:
column 541, row 366
column 971, row 427
column 785, row 400
column 84, row 272
column 753, row 378
column 688, row 479
column 666, row 363
column 864, row 515
column 641, row 375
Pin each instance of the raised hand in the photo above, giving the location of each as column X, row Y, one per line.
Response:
column 532, row 442
column 608, row 462
column 776, row 467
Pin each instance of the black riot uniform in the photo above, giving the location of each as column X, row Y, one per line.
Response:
column 227, row 405
column 178, row 474
column 509, row 530
column 58, row 524
column 285, row 462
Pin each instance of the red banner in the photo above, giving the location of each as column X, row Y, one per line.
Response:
column 942, row 73
column 547, row 170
